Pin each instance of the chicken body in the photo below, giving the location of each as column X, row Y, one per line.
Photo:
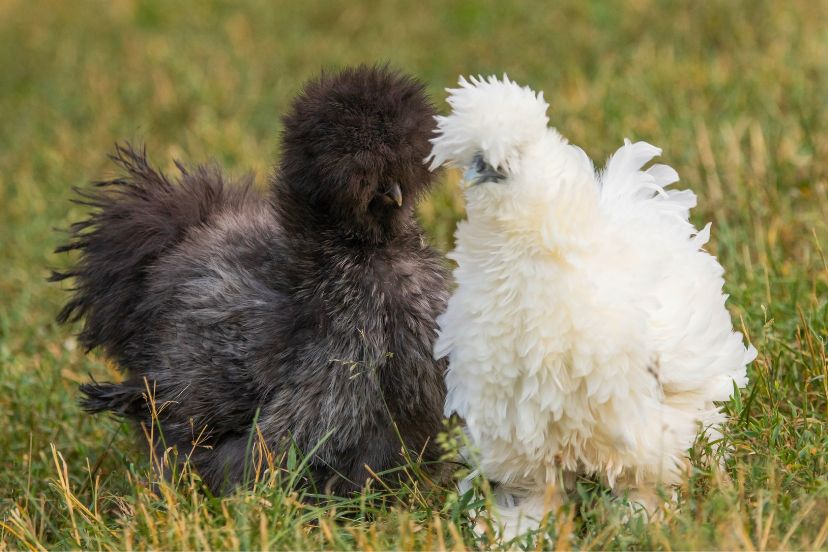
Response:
column 304, row 314
column 588, row 332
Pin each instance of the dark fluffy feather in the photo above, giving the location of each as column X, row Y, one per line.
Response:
column 308, row 309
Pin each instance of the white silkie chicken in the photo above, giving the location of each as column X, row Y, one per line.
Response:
column 588, row 333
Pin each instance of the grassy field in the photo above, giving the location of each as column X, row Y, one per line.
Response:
column 736, row 92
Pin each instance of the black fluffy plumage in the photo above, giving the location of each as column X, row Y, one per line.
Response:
column 308, row 309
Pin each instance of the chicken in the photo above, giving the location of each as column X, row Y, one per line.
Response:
column 307, row 311
column 588, row 333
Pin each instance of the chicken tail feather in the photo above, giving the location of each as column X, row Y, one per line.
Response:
column 134, row 219
column 122, row 399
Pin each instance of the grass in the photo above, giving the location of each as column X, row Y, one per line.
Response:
column 734, row 91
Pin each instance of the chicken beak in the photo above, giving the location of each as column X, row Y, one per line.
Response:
column 394, row 193
column 479, row 172
column 489, row 175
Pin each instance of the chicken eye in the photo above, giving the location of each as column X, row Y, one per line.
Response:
column 479, row 164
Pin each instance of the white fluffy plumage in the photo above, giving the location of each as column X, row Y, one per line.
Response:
column 588, row 332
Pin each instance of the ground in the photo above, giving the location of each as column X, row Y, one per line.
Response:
column 734, row 91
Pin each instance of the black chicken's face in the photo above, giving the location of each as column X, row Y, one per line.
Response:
column 393, row 195
column 354, row 147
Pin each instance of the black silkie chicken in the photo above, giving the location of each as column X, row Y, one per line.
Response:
column 308, row 310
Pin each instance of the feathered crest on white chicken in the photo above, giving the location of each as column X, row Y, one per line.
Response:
column 492, row 116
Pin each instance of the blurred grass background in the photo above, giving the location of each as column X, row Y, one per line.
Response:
column 736, row 92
